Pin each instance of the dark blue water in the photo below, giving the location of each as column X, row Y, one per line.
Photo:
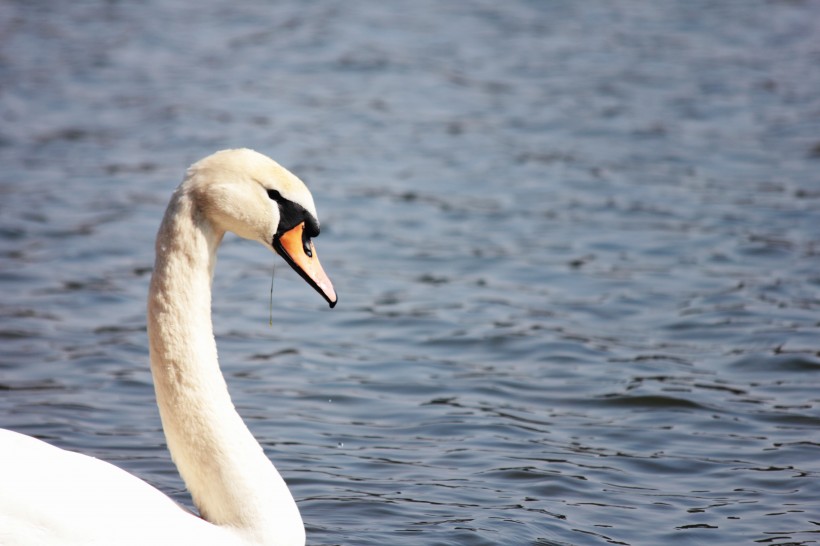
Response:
column 577, row 247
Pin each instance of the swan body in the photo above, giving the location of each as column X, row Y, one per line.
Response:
column 50, row 496
column 67, row 498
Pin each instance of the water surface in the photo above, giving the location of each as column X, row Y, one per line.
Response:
column 576, row 247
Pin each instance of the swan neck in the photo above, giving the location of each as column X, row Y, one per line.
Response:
column 231, row 481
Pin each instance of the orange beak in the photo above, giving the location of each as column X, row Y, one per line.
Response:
column 299, row 252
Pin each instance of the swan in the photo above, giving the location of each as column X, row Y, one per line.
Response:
column 50, row 496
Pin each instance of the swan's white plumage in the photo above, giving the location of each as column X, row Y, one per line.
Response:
column 67, row 498
column 49, row 496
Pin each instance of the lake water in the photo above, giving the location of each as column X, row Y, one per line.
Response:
column 576, row 244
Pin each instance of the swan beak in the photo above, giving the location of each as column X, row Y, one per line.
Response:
column 300, row 254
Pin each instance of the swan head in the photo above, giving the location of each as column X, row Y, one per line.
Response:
column 249, row 194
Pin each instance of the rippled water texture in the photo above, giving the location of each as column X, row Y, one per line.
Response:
column 577, row 247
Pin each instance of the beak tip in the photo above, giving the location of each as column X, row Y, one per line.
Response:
column 333, row 303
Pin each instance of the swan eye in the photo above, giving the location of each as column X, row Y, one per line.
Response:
column 291, row 214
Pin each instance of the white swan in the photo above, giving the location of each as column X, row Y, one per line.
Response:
column 49, row 496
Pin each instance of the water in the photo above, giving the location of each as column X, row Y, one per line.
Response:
column 576, row 247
